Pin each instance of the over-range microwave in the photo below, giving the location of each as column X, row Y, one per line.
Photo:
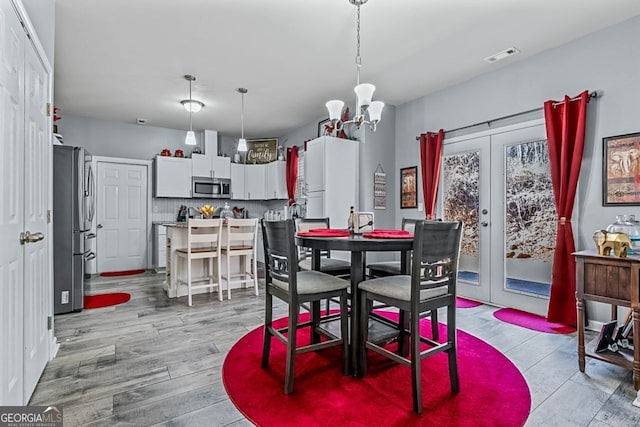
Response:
column 210, row 188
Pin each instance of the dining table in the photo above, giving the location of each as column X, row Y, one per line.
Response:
column 358, row 245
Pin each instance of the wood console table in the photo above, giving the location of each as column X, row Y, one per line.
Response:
column 612, row 281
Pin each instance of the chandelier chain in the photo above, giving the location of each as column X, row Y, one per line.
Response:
column 358, row 58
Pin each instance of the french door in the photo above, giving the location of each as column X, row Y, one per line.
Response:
column 499, row 184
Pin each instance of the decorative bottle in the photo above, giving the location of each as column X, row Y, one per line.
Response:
column 350, row 220
column 226, row 212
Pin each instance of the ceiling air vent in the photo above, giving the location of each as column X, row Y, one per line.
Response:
column 501, row 55
column 141, row 121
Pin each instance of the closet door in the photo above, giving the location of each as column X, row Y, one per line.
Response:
column 25, row 171
column 12, row 42
column 37, row 164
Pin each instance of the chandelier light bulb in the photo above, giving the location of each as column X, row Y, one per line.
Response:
column 364, row 93
column 335, row 109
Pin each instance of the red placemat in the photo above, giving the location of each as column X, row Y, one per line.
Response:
column 388, row 234
column 324, row 232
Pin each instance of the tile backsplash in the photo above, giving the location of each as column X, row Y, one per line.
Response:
column 166, row 209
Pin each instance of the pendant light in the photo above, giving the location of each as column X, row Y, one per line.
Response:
column 364, row 93
column 192, row 106
column 242, row 143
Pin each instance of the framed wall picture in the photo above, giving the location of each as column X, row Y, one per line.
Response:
column 409, row 187
column 621, row 170
column 322, row 130
column 261, row 151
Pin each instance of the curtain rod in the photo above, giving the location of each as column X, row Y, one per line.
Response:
column 593, row 94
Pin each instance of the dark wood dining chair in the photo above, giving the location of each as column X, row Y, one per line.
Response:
column 393, row 268
column 431, row 285
column 294, row 287
column 390, row 268
column 333, row 266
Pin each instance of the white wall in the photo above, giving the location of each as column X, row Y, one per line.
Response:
column 607, row 61
column 118, row 139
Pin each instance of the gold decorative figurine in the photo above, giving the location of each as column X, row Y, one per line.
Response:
column 606, row 241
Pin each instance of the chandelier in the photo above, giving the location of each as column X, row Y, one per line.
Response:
column 364, row 93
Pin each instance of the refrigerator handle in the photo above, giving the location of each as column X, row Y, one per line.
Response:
column 92, row 194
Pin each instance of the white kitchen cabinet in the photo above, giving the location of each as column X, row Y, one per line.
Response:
column 172, row 177
column 277, row 180
column 159, row 246
column 214, row 167
column 237, row 181
column 209, row 164
column 331, row 173
column 255, row 182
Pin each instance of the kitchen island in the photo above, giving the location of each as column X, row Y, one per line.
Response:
column 175, row 284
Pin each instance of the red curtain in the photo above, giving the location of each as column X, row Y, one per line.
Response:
column 430, row 158
column 292, row 173
column 565, row 122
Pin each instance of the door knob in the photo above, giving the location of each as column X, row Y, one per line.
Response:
column 484, row 223
column 99, row 226
column 27, row 237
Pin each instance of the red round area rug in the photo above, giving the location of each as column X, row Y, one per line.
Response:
column 105, row 300
column 492, row 390
column 121, row 273
column 531, row 321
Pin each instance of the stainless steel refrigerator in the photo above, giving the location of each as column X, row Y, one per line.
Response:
column 73, row 208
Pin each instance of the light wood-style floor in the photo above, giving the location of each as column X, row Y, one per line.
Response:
column 155, row 361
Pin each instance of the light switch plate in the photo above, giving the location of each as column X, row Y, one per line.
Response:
column 420, row 207
column 65, row 297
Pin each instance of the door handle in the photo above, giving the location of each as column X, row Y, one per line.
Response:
column 27, row 237
column 99, row 226
column 484, row 223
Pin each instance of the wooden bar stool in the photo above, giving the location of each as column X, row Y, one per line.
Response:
column 241, row 241
column 203, row 242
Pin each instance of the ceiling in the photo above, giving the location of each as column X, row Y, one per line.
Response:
column 122, row 60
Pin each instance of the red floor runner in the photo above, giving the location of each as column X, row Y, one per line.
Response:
column 531, row 321
column 105, row 300
column 121, row 273
column 492, row 390
column 466, row 303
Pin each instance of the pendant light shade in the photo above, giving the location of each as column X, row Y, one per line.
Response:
column 192, row 106
column 191, row 138
column 242, row 143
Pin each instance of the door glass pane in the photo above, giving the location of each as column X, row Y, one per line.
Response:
column 530, row 218
column 461, row 177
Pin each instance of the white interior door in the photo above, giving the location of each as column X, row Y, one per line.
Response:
column 122, row 216
column 37, row 164
column 498, row 183
column 25, row 162
column 11, row 206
